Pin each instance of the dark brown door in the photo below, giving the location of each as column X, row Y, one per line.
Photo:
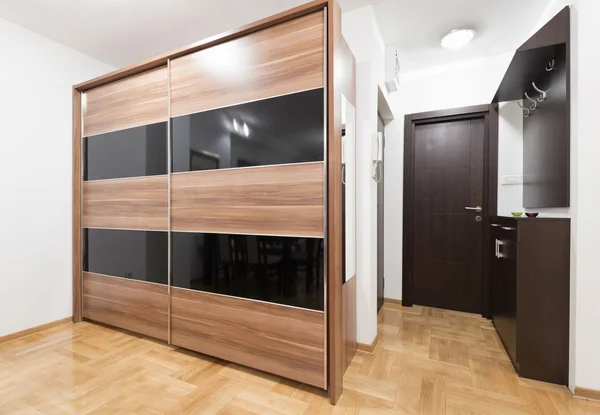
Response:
column 448, row 237
column 380, row 280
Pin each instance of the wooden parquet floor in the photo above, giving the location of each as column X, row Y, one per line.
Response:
column 428, row 361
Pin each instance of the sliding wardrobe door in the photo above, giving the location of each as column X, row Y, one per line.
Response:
column 247, row 200
column 125, row 204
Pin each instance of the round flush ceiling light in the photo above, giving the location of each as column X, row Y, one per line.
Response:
column 457, row 38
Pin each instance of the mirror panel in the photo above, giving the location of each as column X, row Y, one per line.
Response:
column 349, row 188
column 510, row 158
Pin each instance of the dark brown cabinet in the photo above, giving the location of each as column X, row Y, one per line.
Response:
column 530, row 294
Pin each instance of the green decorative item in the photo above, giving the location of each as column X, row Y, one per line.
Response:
column 517, row 214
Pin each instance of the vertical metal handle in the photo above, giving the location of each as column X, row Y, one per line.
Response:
column 498, row 248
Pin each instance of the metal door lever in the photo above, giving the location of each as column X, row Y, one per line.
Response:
column 476, row 208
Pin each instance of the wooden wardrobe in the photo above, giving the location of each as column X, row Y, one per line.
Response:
column 207, row 197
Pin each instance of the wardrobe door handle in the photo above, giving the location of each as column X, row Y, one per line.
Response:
column 507, row 228
column 496, row 225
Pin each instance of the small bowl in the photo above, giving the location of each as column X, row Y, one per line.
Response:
column 517, row 214
column 532, row 214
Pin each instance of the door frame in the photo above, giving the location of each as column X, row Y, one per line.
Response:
column 489, row 112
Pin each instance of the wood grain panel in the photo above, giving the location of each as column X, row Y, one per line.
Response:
column 137, row 306
column 279, row 60
column 349, row 320
column 132, row 102
column 132, row 203
column 161, row 60
column 286, row 341
column 271, row 200
column 76, row 219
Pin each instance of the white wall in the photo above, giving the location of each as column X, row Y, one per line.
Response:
column 586, row 169
column 360, row 30
column 35, row 176
column 458, row 85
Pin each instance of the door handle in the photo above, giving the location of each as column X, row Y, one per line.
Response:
column 476, row 208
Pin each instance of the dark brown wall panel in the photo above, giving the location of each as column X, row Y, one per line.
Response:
column 547, row 142
column 286, row 341
column 279, row 60
column 274, row 200
column 139, row 100
column 140, row 307
column 135, row 203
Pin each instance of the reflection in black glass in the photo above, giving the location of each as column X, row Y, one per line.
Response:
column 137, row 255
column 139, row 151
column 274, row 269
column 281, row 130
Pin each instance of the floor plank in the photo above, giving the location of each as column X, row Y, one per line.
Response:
column 428, row 361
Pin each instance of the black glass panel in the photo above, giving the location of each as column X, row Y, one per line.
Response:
column 137, row 255
column 274, row 269
column 139, row 151
column 281, row 130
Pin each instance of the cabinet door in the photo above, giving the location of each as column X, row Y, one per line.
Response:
column 496, row 278
column 504, row 293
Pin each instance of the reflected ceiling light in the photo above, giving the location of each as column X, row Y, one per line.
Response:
column 235, row 126
column 457, row 38
column 224, row 60
column 246, row 130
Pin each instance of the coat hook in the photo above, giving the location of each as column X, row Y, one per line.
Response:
column 533, row 106
column 525, row 114
column 542, row 93
column 550, row 66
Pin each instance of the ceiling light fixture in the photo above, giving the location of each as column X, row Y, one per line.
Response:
column 246, row 130
column 235, row 125
column 457, row 38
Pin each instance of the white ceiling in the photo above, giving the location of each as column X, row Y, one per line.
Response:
column 415, row 27
column 122, row 32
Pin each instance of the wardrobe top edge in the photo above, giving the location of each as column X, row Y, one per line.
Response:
column 162, row 60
